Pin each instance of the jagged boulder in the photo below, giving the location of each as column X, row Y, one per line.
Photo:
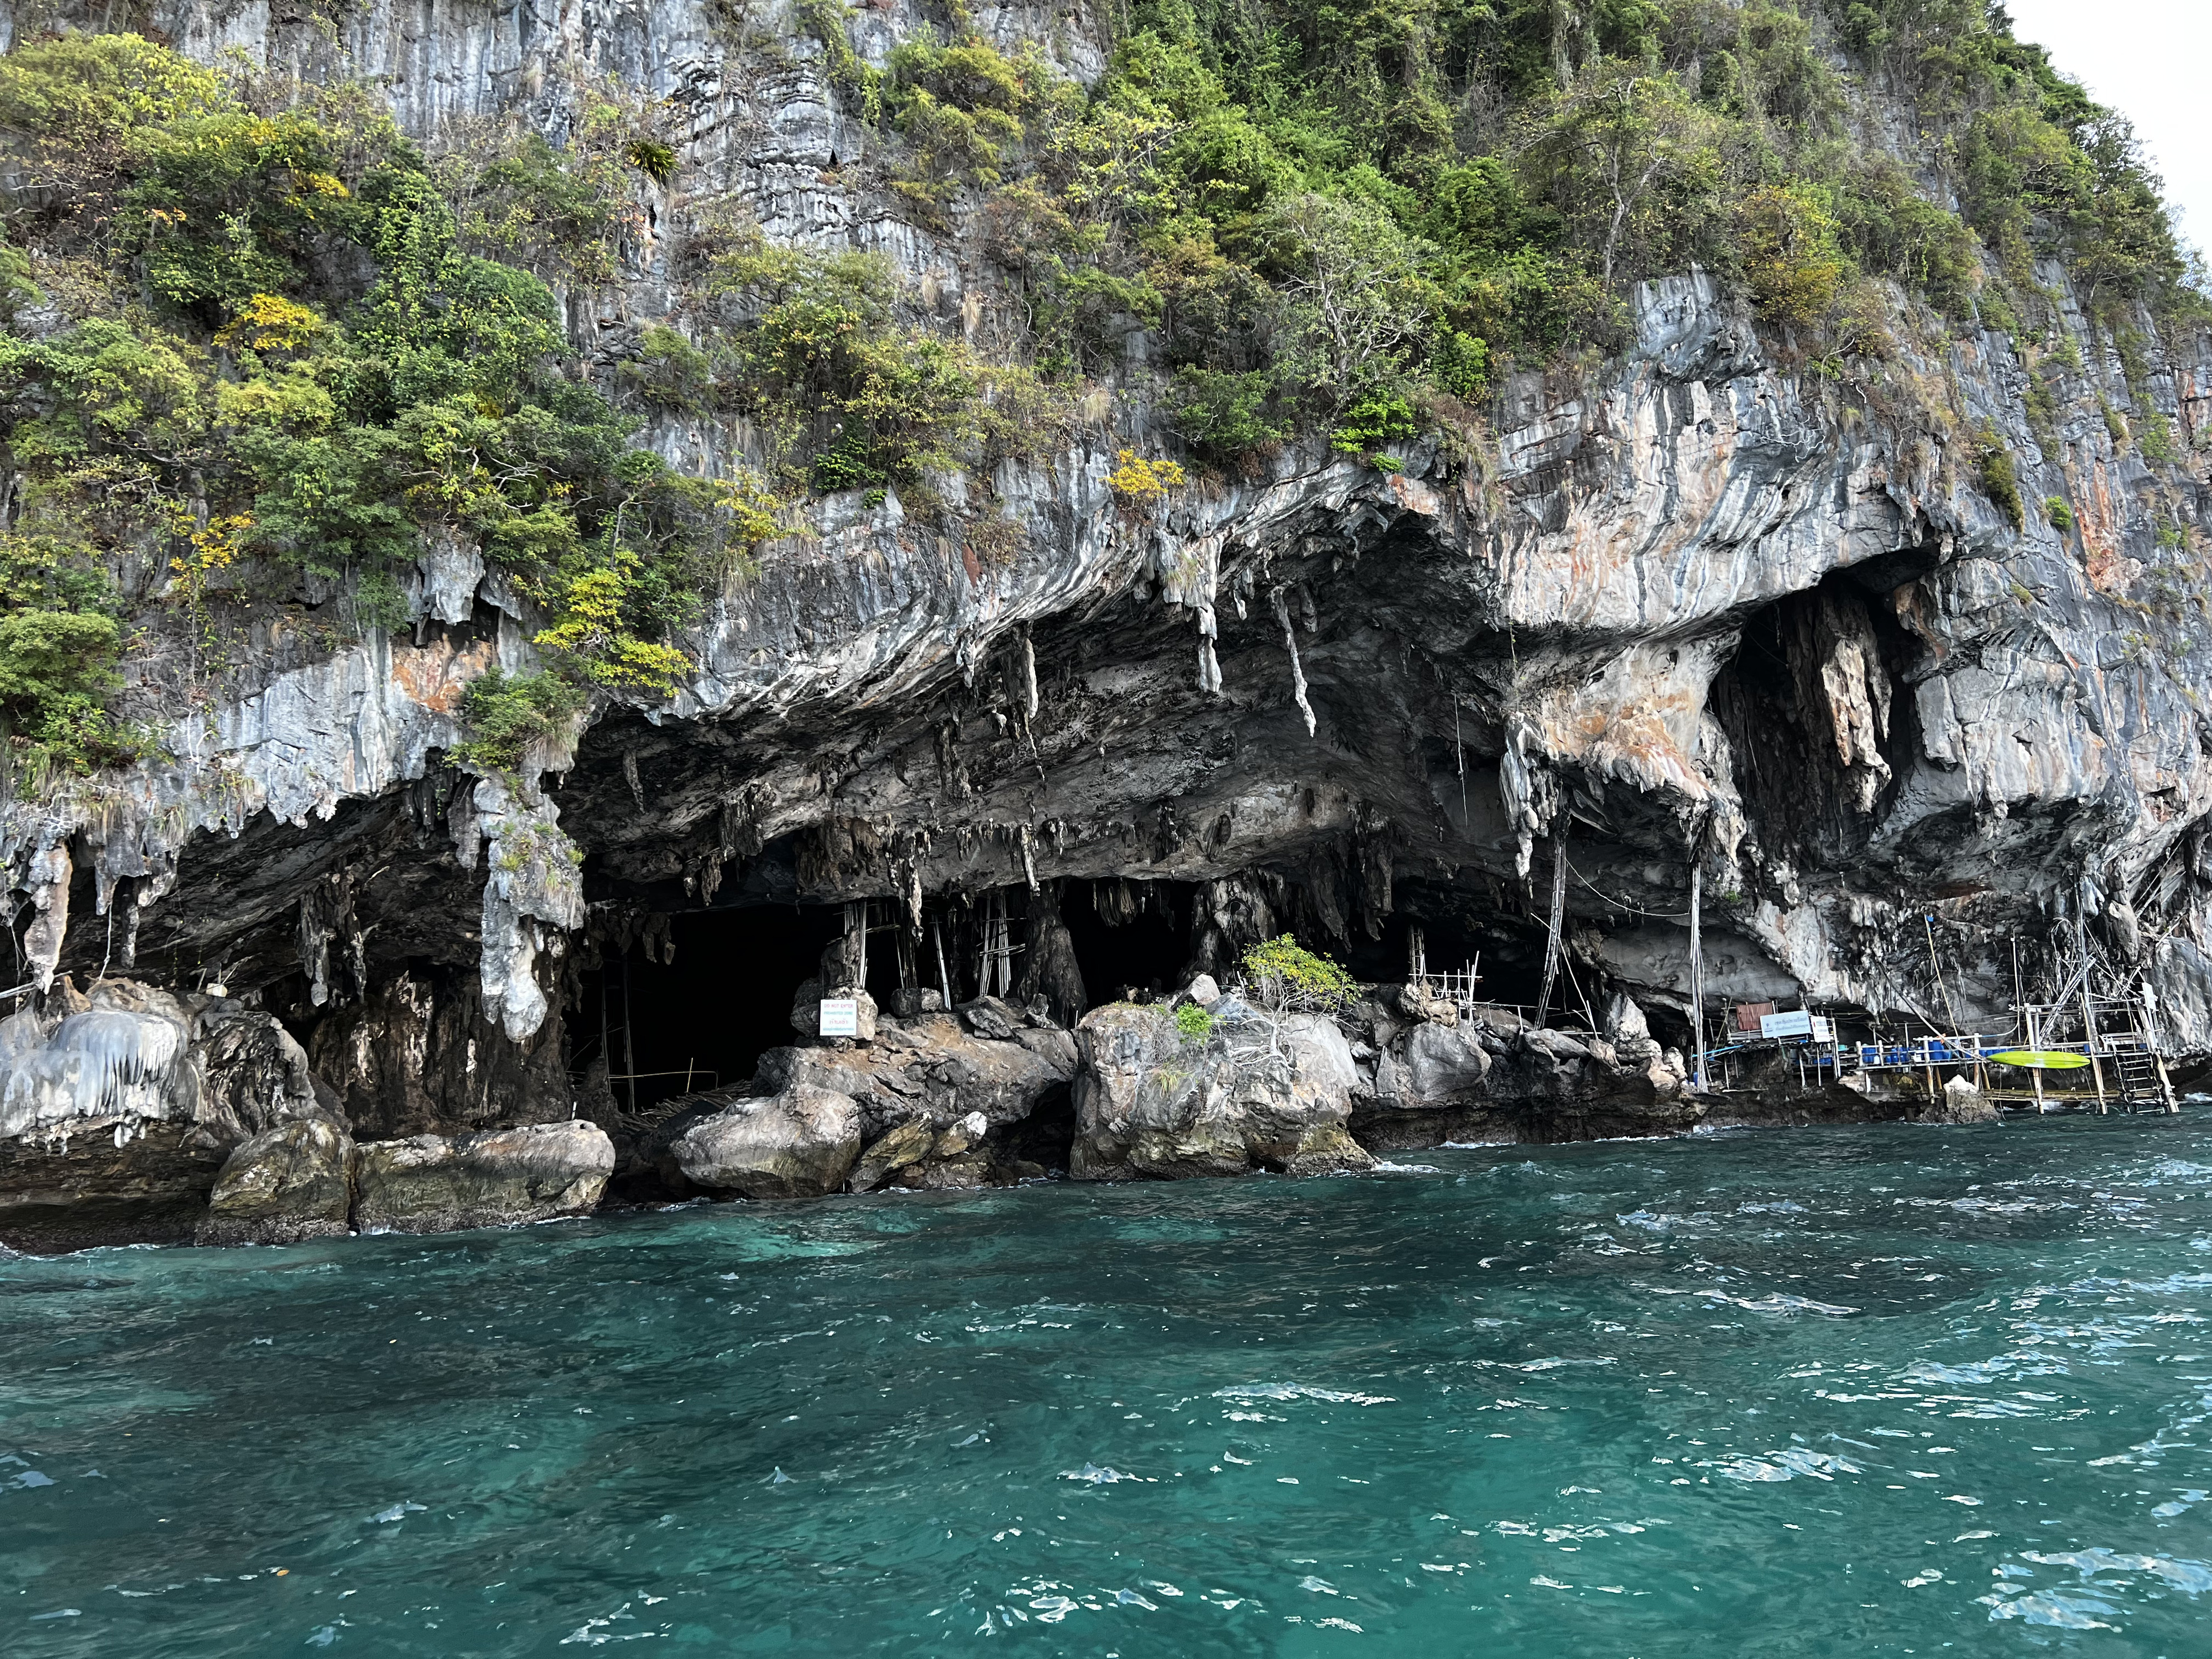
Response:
column 1258, row 1093
column 934, row 1068
column 904, row 1146
column 1629, row 1032
column 992, row 1018
column 1444, row 1064
column 501, row 1177
column 1415, row 1002
column 960, row 1155
column 254, row 1076
column 1962, row 1102
column 799, row 1143
column 286, row 1184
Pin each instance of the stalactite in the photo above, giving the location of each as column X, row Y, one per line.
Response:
column 1029, row 676
column 1298, row 671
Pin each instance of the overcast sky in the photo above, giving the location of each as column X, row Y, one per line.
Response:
column 2149, row 59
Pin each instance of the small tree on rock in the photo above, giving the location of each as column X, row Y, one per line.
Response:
column 1282, row 977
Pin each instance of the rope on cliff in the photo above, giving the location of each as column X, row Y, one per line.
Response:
column 1623, row 905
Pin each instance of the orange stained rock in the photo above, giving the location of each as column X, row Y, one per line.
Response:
column 436, row 675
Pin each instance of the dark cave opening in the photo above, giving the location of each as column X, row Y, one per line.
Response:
column 705, row 1018
column 1505, row 948
column 1133, row 933
column 1770, row 701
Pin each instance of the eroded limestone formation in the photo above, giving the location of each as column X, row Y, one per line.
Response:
column 1693, row 607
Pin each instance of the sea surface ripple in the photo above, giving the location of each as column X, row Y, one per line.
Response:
column 1835, row 1392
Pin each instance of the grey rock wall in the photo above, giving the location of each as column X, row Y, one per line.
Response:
column 1697, row 604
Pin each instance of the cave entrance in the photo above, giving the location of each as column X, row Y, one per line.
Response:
column 1816, row 671
column 1128, row 935
column 1459, row 926
column 699, row 1010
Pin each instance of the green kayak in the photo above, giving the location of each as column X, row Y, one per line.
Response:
column 2042, row 1059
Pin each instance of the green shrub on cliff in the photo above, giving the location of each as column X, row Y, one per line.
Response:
column 508, row 712
column 59, row 643
column 1998, row 478
column 1286, row 976
column 1515, row 165
column 281, row 344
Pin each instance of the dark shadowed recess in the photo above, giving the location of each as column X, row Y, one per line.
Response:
column 701, row 1015
column 696, row 1007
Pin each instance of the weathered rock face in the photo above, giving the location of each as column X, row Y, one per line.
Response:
column 420, row 1055
column 120, row 1105
column 938, row 1068
column 798, row 1143
column 1258, row 1094
column 1695, row 606
column 502, row 1178
column 1494, row 1077
column 285, row 1185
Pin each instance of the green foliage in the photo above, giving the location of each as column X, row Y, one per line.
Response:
column 2061, row 515
column 653, row 158
column 1998, row 478
column 59, row 643
column 825, row 20
column 1226, row 413
column 671, row 373
column 1287, row 977
column 2040, row 168
column 1377, row 419
column 1893, row 230
column 1195, row 1022
column 813, row 352
column 564, row 211
column 966, row 111
column 1793, row 262
column 508, row 712
column 310, row 359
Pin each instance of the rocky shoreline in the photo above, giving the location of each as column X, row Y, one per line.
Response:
column 132, row 1116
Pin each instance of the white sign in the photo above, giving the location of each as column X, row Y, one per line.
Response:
column 841, row 1017
column 1824, row 1030
column 1796, row 1025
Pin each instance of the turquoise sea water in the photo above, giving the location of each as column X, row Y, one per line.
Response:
column 1880, row 1390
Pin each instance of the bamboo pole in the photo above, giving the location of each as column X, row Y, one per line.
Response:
column 2035, row 1042
column 2090, row 1014
column 629, row 1039
column 1551, row 929
column 1697, row 966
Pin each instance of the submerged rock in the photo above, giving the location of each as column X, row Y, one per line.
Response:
column 502, row 1178
column 799, row 1143
column 286, row 1184
column 1258, row 1093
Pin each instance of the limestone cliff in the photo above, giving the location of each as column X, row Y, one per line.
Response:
column 1696, row 600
